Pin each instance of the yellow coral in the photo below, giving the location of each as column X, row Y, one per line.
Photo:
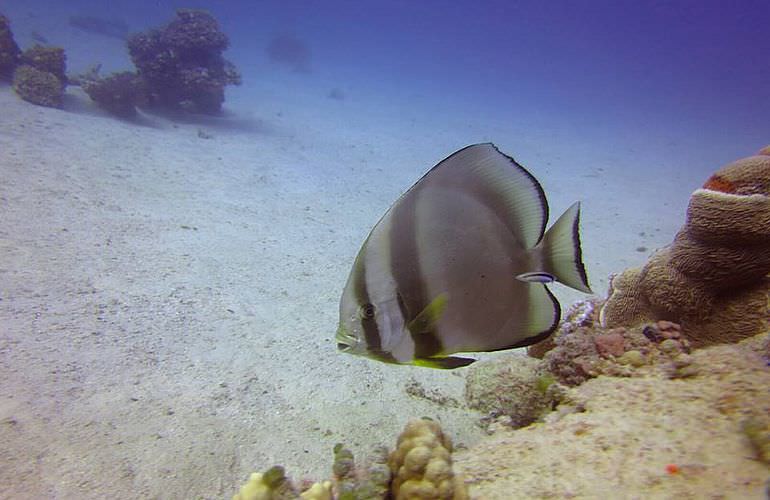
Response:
column 272, row 485
column 422, row 465
column 254, row 489
column 319, row 491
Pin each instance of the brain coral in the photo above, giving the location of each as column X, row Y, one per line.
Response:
column 713, row 278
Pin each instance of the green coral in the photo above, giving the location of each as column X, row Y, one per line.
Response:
column 543, row 382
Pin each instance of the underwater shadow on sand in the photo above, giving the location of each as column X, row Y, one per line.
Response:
column 225, row 121
column 159, row 118
column 82, row 105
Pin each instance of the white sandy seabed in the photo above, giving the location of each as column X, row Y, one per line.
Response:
column 169, row 291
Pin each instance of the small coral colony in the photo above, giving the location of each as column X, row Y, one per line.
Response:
column 709, row 286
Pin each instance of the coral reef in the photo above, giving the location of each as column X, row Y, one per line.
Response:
column 419, row 468
column 691, row 437
column 713, row 278
column 511, row 386
column 621, row 352
column 38, row 87
column 49, row 59
column 9, row 51
column 580, row 314
column 181, row 64
column 119, row 93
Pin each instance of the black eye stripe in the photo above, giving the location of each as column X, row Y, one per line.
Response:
column 371, row 330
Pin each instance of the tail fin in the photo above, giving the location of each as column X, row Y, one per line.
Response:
column 562, row 256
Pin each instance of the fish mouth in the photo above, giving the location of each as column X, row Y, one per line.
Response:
column 345, row 341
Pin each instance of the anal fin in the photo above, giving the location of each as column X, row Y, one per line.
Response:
column 443, row 363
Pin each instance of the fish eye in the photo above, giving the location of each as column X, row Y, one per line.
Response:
column 367, row 311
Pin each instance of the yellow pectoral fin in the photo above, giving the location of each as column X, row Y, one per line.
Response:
column 429, row 316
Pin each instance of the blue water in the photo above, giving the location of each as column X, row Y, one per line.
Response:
column 691, row 72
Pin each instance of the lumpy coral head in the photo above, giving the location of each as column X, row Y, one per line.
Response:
column 38, row 87
column 422, row 464
column 195, row 30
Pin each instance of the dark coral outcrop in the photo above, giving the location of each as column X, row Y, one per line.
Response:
column 181, row 64
column 49, row 59
column 119, row 93
column 38, row 87
column 9, row 51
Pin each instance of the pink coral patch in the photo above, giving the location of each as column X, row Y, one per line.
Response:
column 610, row 344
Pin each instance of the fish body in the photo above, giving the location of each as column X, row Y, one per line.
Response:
column 460, row 263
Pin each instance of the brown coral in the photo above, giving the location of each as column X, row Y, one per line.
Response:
column 713, row 278
column 181, row 64
column 38, row 87
column 118, row 93
column 422, row 464
column 49, row 59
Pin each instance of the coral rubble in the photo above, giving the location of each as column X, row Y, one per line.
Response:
column 511, row 386
column 713, row 278
column 9, row 51
column 181, row 64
